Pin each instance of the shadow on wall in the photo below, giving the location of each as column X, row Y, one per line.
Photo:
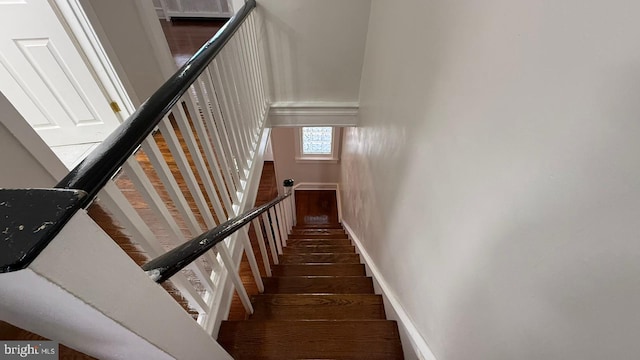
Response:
column 281, row 57
column 500, row 165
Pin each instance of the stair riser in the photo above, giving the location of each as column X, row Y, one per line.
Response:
column 313, row 237
column 319, row 226
column 325, row 312
column 318, row 285
column 319, row 270
column 319, row 232
column 303, row 242
column 320, row 258
column 317, row 299
column 296, row 249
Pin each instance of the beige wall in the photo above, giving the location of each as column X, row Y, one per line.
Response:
column 495, row 177
column 284, row 149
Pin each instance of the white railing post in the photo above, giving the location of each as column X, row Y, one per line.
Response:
column 288, row 189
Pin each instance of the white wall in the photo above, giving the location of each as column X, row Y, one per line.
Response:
column 283, row 144
column 495, row 178
column 20, row 168
column 132, row 36
column 316, row 48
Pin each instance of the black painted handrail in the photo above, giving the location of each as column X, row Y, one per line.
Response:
column 23, row 238
column 169, row 263
column 102, row 163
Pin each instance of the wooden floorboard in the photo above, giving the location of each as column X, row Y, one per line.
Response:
column 296, row 249
column 344, row 258
column 316, row 207
column 319, row 269
column 318, row 284
column 368, row 339
column 317, row 307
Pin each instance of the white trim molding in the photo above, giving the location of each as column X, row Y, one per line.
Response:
column 313, row 114
column 417, row 344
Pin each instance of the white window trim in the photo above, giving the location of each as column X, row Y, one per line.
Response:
column 334, row 157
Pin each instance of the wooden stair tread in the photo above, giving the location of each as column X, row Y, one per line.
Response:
column 318, row 285
column 318, row 304
column 345, row 258
column 318, row 269
column 318, row 236
column 304, row 242
column 317, row 307
column 319, row 249
column 316, row 339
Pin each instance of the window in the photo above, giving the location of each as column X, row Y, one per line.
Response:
column 316, row 140
column 317, row 143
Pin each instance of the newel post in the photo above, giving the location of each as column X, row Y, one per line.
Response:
column 291, row 200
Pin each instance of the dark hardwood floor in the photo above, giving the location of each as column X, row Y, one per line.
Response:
column 187, row 36
column 316, row 207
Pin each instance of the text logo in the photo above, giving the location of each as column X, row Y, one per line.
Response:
column 28, row 350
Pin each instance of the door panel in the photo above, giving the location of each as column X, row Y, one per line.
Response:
column 45, row 76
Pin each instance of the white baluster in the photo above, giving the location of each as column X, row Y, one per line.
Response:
column 228, row 114
column 187, row 174
column 251, row 257
column 226, row 61
column 284, row 236
column 272, row 244
column 124, row 213
column 220, row 138
column 155, row 202
column 261, row 244
column 201, row 166
column 232, row 270
column 276, row 231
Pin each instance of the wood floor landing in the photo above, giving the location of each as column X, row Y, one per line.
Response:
column 319, row 304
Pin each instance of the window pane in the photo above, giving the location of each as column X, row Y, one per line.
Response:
column 316, row 140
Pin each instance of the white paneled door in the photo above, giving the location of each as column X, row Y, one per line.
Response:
column 46, row 78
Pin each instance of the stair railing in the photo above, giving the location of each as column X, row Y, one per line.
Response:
column 215, row 105
column 278, row 218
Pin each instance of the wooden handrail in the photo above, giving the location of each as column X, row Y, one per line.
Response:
column 169, row 263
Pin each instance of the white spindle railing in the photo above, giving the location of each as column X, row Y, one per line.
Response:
column 220, row 121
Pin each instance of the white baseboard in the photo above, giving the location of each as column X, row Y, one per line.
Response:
column 313, row 114
column 413, row 344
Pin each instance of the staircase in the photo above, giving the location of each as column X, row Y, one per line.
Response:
column 319, row 304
